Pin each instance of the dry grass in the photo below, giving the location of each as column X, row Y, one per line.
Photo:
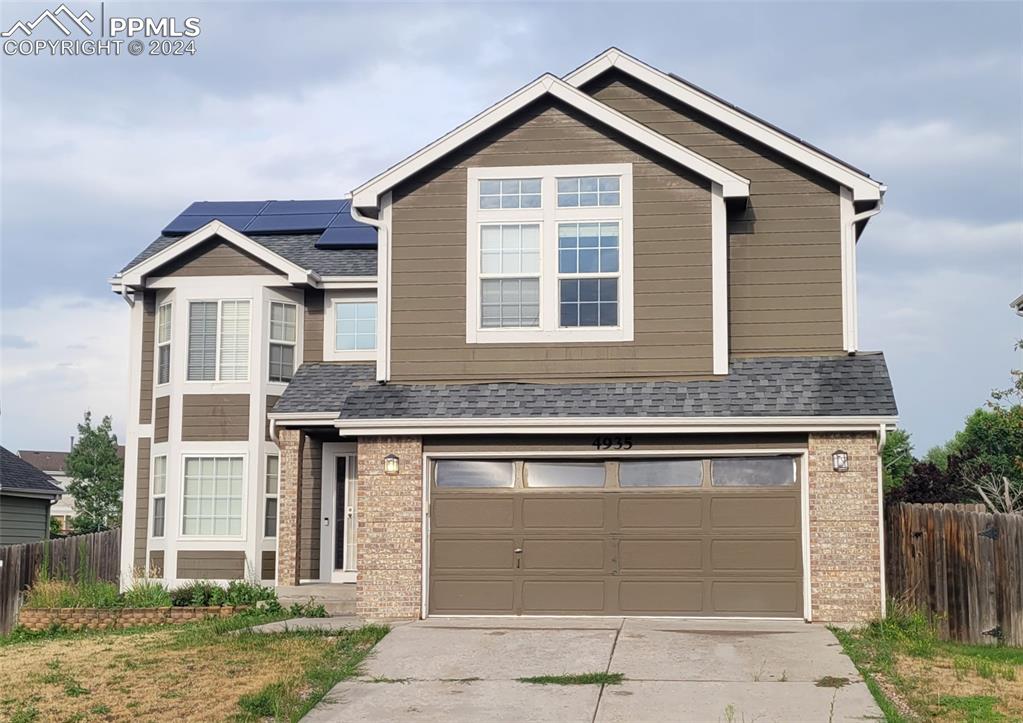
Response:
column 948, row 675
column 194, row 674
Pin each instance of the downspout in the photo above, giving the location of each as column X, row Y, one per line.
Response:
column 849, row 275
column 383, row 286
column 882, row 437
column 870, row 212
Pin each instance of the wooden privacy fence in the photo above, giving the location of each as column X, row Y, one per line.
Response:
column 962, row 566
column 96, row 557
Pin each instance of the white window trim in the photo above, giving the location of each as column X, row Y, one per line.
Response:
column 267, row 496
column 220, row 318
column 331, row 300
column 182, row 536
column 154, row 497
column 161, row 344
column 549, row 216
column 270, row 341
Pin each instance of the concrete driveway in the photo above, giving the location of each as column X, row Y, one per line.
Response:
column 466, row 669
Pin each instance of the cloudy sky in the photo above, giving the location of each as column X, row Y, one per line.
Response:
column 293, row 100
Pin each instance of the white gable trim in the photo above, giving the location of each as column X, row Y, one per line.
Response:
column 863, row 187
column 135, row 275
column 733, row 185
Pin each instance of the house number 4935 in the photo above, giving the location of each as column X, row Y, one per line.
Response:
column 612, row 442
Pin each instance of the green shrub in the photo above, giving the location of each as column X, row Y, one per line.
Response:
column 240, row 592
column 52, row 593
column 147, row 593
column 200, row 593
column 307, row 610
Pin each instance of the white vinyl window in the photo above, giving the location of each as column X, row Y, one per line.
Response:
column 212, row 497
column 270, row 490
column 159, row 495
column 218, row 340
column 163, row 347
column 557, row 269
column 510, row 275
column 283, row 338
column 355, row 325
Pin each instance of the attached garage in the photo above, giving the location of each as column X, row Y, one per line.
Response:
column 682, row 536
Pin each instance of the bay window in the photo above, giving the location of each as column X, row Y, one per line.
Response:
column 283, row 338
column 159, row 495
column 270, row 489
column 218, row 340
column 163, row 347
column 549, row 254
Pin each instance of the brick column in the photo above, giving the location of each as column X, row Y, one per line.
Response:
column 390, row 528
column 845, row 538
column 289, row 505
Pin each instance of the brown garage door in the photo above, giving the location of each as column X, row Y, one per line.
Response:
column 653, row 537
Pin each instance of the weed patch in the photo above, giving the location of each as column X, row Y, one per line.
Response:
column 576, row 679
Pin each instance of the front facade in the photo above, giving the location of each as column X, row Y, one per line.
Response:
column 593, row 352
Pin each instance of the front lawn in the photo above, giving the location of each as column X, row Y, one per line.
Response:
column 914, row 676
column 206, row 671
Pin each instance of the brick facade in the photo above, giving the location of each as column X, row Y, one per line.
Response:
column 289, row 505
column 390, row 529
column 845, row 539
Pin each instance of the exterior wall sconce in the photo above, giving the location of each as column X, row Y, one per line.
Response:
column 840, row 461
column 391, row 465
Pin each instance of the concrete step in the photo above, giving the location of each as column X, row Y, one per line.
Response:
column 336, row 598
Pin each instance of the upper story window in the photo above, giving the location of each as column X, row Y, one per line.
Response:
column 218, row 340
column 510, row 193
column 589, row 191
column 355, row 326
column 549, row 254
column 163, row 347
column 283, row 338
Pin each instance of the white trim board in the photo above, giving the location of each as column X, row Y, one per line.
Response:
column 608, row 425
column 367, row 195
column 135, row 275
column 863, row 187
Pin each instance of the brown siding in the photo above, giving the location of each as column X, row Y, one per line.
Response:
column 671, row 258
column 214, row 417
column 215, row 258
column 312, row 346
column 156, row 563
column 784, row 264
column 146, row 372
column 211, row 565
column 312, row 481
column 271, row 400
column 142, row 502
column 161, row 419
column 268, row 563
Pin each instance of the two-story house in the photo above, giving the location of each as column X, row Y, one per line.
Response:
column 592, row 352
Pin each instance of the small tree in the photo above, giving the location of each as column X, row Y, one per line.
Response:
column 897, row 458
column 97, row 475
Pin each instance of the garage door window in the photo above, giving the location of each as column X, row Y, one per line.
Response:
column 461, row 473
column 753, row 472
column 565, row 474
column 661, row 473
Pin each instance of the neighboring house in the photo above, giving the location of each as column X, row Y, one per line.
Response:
column 592, row 352
column 26, row 495
column 54, row 464
column 1017, row 304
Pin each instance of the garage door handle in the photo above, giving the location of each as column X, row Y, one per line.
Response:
column 517, row 550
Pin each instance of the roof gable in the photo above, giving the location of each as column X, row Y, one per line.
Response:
column 19, row 477
column 863, row 187
column 733, row 185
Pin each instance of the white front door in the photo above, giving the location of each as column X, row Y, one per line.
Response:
column 337, row 507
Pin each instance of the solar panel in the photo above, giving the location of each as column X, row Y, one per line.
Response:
column 330, row 206
column 330, row 216
column 289, row 223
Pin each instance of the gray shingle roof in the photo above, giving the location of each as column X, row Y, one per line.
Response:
column 764, row 387
column 323, row 386
column 17, row 475
column 300, row 249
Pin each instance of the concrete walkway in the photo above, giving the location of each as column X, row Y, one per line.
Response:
column 465, row 669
